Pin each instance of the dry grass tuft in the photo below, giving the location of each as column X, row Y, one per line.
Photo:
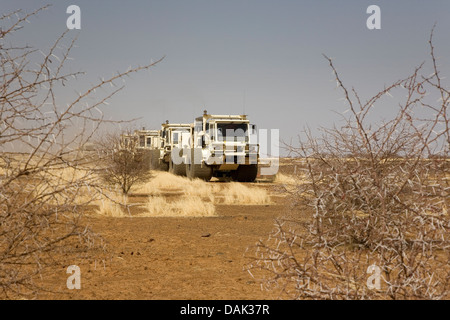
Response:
column 285, row 179
column 193, row 198
column 186, row 206
column 109, row 208
column 219, row 193
column 237, row 193
column 160, row 183
column 112, row 204
column 196, row 198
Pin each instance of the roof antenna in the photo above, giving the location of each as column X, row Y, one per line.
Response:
column 243, row 102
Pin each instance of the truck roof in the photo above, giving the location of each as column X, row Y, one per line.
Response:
column 222, row 117
column 175, row 125
column 147, row 132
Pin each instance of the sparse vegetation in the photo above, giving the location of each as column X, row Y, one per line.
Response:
column 170, row 195
column 45, row 178
column 219, row 193
column 123, row 165
column 112, row 204
column 184, row 206
column 364, row 194
column 377, row 200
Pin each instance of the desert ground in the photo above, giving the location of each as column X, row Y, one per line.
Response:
column 200, row 253
column 172, row 238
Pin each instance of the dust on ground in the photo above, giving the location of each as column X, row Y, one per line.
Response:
column 174, row 257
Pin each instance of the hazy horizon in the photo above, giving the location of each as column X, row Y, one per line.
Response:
column 260, row 58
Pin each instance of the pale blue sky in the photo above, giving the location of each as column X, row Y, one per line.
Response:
column 264, row 57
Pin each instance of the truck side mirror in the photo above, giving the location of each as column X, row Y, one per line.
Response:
column 203, row 141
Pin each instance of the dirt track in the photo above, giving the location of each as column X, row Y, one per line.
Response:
column 174, row 258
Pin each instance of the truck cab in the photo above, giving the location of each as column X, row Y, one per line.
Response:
column 223, row 146
column 174, row 137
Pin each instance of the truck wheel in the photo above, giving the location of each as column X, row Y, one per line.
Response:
column 163, row 166
column 154, row 159
column 155, row 163
column 245, row 173
column 194, row 170
column 177, row 169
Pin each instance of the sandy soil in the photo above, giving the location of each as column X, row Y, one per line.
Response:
column 174, row 258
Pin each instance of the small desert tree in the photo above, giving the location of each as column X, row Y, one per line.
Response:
column 379, row 195
column 44, row 177
column 124, row 163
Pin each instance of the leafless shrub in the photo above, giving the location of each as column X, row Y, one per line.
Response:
column 123, row 164
column 379, row 197
column 45, row 177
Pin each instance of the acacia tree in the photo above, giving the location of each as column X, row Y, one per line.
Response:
column 379, row 193
column 44, row 177
column 123, row 163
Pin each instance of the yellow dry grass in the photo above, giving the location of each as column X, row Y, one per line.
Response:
column 186, row 206
column 110, row 209
column 218, row 193
column 238, row 193
column 195, row 198
column 112, row 204
column 160, row 183
column 281, row 178
column 66, row 185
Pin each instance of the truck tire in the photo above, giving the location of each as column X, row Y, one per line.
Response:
column 145, row 157
column 155, row 163
column 245, row 173
column 197, row 171
column 154, row 159
column 177, row 169
column 163, row 166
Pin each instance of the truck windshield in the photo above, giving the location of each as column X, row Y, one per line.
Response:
column 231, row 131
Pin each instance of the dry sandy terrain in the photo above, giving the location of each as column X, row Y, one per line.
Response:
column 180, row 239
column 175, row 257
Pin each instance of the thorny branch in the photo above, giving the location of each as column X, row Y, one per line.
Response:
column 379, row 195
